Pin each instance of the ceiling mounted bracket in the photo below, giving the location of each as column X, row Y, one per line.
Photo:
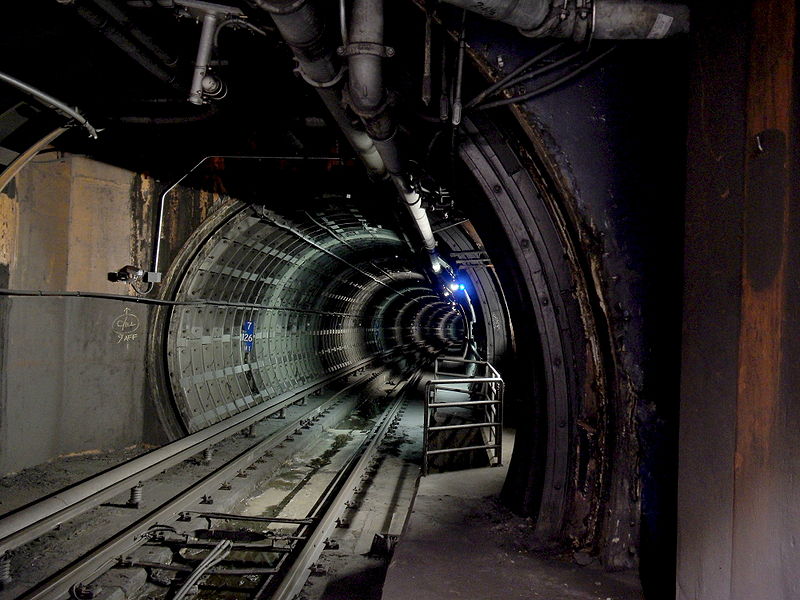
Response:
column 205, row 86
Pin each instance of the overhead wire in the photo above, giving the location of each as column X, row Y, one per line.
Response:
column 504, row 82
column 545, row 69
column 546, row 88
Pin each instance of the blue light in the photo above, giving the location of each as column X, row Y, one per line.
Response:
column 455, row 286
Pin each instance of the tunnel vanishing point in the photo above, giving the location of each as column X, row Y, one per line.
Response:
column 207, row 206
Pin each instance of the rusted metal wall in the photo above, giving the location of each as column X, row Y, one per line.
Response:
column 738, row 497
column 607, row 154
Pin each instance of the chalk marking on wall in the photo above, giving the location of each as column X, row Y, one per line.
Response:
column 126, row 327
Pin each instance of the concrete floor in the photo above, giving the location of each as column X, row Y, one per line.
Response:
column 460, row 542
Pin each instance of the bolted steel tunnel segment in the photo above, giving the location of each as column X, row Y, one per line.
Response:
column 295, row 299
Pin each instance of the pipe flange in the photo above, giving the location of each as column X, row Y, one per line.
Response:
column 358, row 48
column 556, row 16
column 389, row 100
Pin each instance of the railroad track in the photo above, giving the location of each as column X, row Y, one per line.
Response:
column 247, row 564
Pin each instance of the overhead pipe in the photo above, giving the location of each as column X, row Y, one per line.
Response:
column 117, row 35
column 301, row 26
column 368, row 99
column 201, row 81
column 116, row 13
column 303, row 29
column 581, row 19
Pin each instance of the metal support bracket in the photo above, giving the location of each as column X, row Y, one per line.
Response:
column 356, row 48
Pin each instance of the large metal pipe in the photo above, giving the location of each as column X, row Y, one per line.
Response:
column 304, row 31
column 203, row 58
column 116, row 13
column 367, row 96
column 301, row 26
column 600, row 19
column 114, row 32
column 359, row 140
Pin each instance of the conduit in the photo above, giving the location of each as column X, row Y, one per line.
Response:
column 581, row 19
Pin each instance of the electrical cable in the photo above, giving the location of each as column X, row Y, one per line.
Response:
column 503, row 83
column 239, row 22
column 217, row 555
column 343, row 22
column 159, row 302
column 51, row 102
column 138, row 292
column 546, row 88
column 462, row 45
column 545, row 69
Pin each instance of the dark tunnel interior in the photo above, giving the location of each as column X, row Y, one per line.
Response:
column 391, row 182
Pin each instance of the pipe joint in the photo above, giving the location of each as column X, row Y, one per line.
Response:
column 361, row 48
column 312, row 81
column 369, row 108
column 281, row 7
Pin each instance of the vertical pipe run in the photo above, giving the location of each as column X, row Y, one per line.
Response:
column 203, row 56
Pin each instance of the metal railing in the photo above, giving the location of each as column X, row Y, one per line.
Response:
column 482, row 388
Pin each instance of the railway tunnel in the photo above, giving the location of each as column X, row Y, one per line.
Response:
column 214, row 213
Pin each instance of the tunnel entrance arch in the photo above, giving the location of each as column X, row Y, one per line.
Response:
column 559, row 472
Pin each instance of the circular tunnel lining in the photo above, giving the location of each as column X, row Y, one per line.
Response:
column 277, row 303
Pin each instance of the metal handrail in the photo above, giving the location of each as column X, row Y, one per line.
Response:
column 490, row 386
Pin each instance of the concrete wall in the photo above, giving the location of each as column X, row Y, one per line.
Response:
column 72, row 368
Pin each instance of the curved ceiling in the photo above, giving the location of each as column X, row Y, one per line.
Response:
column 292, row 300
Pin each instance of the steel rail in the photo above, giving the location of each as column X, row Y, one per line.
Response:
column 29, row 522
column 335, row 486
column 295, row 578
column 213, row 571
column 92, row 564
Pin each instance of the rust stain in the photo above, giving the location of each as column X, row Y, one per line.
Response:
column 765, row 276
column 143, row 198
column 769, row 107
column 8, row 228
